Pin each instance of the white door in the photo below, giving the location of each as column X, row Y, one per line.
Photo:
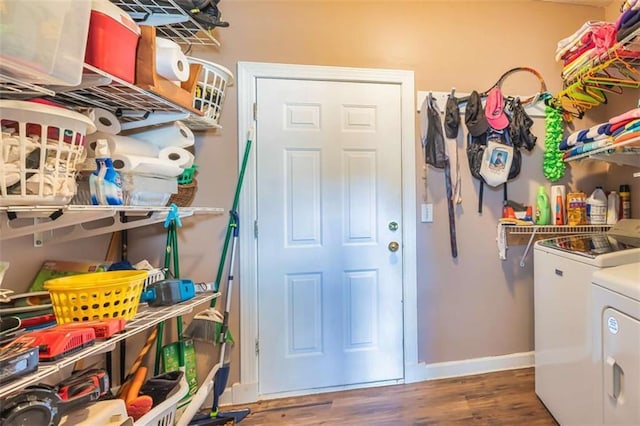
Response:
column 329, row 206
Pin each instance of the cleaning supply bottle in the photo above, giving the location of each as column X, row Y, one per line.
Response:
column 625, row 202
column 105, row 183
column 597, row 207
column 543, row 208
column 613, row 203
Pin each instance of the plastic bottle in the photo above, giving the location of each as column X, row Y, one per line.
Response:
column 625, row 202
column 543, row 208
column 597, row 207
column 105, row 183
column 613, row 203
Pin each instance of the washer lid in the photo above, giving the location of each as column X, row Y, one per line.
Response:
column 623, row 279
column 592, row 245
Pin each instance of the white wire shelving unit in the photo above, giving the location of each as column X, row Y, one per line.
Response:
column 145, row 319
column 537, row 232
column 134, row 106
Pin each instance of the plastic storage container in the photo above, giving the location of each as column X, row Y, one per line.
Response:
column 44, row 41
column 112, row 40
column 597, row 207
column 40, row 146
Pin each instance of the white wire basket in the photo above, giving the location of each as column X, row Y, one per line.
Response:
column 164, row 414
column 211, row 89
column 40, row 146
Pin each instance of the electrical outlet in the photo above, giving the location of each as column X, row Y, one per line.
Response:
column 427, row 212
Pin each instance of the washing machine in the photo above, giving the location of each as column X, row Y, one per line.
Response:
column 564, row 358
column 615, row 293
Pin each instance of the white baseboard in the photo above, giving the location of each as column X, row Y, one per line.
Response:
column 468, row 367
column 244, row 394
column 239, row 393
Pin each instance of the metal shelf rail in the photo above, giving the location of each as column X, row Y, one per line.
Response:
column 146, row 318
column 74, row 221
column 536, row 230
column 170, row 20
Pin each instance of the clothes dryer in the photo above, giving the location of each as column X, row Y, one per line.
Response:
column 564, row 363
column 616, row 335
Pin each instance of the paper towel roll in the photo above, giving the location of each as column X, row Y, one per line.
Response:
column 175, row 134
column 145, row 165
column 171, row 63
column 106, row 122
column 178, row 156
column 121, row 145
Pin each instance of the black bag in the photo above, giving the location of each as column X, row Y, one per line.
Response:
column 476, row 146
column 434, row 149
column 475, row 150
column 520, row 126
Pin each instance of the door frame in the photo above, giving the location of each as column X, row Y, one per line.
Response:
column 248, row 72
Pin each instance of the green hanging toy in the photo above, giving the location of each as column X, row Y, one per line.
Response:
column 553, row 165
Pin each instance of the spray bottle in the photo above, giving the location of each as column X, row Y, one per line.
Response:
column 105, row 183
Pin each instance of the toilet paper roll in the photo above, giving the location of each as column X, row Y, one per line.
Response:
column 106, row 122
column 175, row 134
column 178, row 156
column 171, row 63
column 121, row 145
column 151, row 166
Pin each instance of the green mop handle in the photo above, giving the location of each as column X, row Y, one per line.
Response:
column 236, row 200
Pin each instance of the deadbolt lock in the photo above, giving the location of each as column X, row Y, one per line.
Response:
column 393, row 226
column 393, row 246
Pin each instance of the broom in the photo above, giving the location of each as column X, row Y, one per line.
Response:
column 207, row 325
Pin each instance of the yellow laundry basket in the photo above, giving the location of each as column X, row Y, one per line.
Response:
column 97, row 295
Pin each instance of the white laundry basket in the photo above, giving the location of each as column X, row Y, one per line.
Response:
column 211, row 89
column 164, row 414
column 40, row 146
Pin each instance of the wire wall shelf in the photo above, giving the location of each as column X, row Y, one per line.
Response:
column 170, row 20
column 15, row 89
column 534, row 231
column 146, row 318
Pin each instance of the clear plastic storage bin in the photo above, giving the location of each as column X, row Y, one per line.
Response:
column 44, row 41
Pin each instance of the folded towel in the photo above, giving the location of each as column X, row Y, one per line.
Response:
column 631, row 114
column 568, row 142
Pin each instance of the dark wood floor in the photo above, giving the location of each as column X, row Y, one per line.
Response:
column 503, row 398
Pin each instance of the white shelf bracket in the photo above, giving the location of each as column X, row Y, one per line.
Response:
column 502, row 241
column 526, row 250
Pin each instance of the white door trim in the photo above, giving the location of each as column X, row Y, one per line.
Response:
column 248, row 73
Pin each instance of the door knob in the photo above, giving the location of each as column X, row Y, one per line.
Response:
column 393, row 246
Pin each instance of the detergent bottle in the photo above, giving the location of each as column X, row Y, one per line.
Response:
column 597, row 207
column 105, row 183
column 543, row 208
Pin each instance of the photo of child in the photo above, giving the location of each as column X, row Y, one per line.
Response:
column 498, row 159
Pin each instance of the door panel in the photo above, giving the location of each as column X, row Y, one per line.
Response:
column 328, row 184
